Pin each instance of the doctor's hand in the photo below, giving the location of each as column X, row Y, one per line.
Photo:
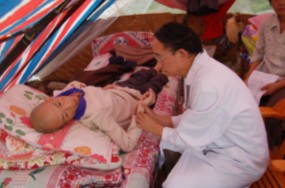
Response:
column 146, row 109
column 147, row 123
column 148, row 97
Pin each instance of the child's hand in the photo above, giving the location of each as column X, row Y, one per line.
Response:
column 148, row 97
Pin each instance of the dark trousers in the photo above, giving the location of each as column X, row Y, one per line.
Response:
column 144, row 79
column 273, row 126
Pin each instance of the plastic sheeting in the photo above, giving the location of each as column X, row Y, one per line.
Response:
column 36, row 47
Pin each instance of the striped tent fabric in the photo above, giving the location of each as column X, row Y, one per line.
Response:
column 16, row 16
column 52, row 36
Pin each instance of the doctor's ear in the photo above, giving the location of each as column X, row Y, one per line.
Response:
column 183, row 53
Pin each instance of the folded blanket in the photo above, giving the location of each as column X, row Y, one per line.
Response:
column 138, row 54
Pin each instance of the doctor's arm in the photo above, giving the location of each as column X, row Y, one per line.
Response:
column 164, row 120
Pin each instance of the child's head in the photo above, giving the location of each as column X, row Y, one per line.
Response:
column 54, row 113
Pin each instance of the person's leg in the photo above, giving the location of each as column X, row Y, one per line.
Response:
column 156, row 84
column 193, row 171
column 138, row 78
column 274, row 126
column 171, row 159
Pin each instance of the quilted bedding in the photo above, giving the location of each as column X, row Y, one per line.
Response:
column 74, row 156
column 55, row 160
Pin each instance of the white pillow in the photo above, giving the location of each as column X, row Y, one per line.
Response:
column 16, row 105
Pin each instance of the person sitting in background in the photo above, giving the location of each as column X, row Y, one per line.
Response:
column 109, row 109
column 269, row 57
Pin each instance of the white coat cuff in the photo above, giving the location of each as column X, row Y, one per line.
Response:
column 175, row 120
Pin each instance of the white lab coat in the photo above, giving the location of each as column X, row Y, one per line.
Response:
column 221, row 133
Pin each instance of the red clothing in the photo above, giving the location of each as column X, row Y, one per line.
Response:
column 214, row 22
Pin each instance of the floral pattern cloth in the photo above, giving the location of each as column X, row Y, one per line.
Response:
column 56, row 164
column 54, row 168
column 24, row 148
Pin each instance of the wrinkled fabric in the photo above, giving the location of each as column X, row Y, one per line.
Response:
column 270, row 47
column 214, row 22
column 145, row 79
column 104, row 113
column 103, row 76
column 221, row 133
column 138, row 54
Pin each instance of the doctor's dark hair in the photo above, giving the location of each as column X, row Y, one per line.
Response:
column 175, row 36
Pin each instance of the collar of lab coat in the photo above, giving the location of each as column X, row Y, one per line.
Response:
column 198, row 62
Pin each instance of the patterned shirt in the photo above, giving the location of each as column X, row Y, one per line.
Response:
column 270, row 48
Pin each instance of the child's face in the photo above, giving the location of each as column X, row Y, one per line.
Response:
column 60, row 110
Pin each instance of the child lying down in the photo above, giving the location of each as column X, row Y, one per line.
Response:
column 110, row 109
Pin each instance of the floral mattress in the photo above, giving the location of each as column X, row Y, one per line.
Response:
column 74, row 156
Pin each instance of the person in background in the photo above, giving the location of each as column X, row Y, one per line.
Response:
column 269, row 57
column 220, row 134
